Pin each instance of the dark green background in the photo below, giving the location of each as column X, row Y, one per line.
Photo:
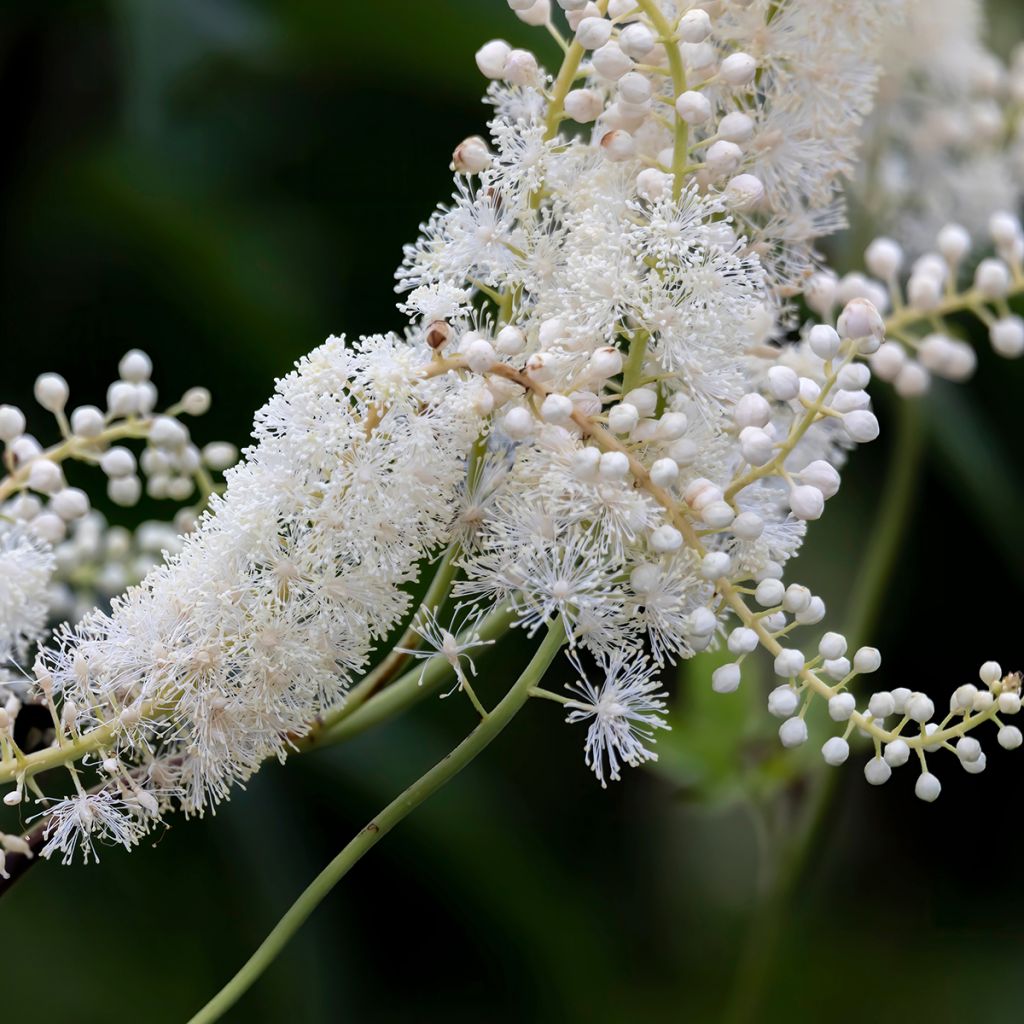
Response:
column 224, row 184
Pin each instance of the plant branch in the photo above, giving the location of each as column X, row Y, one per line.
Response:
column 416, row 794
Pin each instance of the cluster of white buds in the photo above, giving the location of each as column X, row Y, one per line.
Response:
column 946, row 142
column 597, row 410
column 922, row 299
column 49, row 536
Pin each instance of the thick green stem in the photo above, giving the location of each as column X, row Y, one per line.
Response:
column 680, row 150
column 633, row 371
column 416, row 794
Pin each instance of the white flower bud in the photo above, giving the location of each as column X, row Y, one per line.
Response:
column 954, row 242
column 584, row 105
column 44, row 476
column 726, row 679
column 783, row 701
column 51, row 391
column 748, row 526
column 135, row 366
column 12, row 423
column 789, row 662
column 718, row 515
column 196, row 402
column 884, row 258
column 912, row 381
column 693, row 108
column 124, row 490
column 521, row 68
column 836, row 668
column 738, row 69
column 635, row 88
column 492, row 57
column 1007, row 337
column 861, row 425
column 867, row 660
column 927, row 787
column 556, row 409
column 664, row 472
column 70, row 503
column 861, row 320
column 822, row 475
column 769, row 593
column 993, row 279
column 877, row 771
column 536, row 13
column 756, row 445
column 666, row 539
column 614, row 466
column 736, row 127
column 841, row 707
column 887, row 362
column 695, row 26
column 636, row 40
column 606, row 362
column 471, row 156
column 87, row 421
column 807, row 502
column 1009, row 737
column 610, row 62
column 716, row 565
column 744, row 192
column 968, row 749
column 618, row 146
column 793, row 732
column 991, row 673
column 49, row 527
column 220, row 455
column 1009, row 703
column 920, row 707
column 832, row 645
column 836, row 751
column 824, row 341
column 752, row 410
column 622, row 418
column 480, row 355
column 783, row 383
column 593, row 33
column 722, row 158
column 743, row 641
column 897, row 753
column 924, row 292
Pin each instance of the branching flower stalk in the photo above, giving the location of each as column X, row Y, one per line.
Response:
column 607, row 418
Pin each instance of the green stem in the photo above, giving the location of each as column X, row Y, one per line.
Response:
column 633, row 371
column 416, row 794
column 773, row 910
column 678, row 71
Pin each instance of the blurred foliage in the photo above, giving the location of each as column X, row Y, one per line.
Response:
column 223, row 182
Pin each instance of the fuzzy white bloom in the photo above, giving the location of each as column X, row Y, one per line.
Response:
column 26, row 567
column 600, row 407
column 623, row 711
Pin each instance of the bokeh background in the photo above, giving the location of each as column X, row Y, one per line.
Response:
column 225, row 182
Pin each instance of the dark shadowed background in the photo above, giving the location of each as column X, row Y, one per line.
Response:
column 225, row 183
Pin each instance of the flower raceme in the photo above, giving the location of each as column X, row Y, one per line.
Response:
column 604, row 410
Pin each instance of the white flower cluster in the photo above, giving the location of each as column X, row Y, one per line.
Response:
column 597, row 409
column 947, row 139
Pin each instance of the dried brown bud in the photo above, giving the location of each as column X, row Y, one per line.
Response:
column 438, row 334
